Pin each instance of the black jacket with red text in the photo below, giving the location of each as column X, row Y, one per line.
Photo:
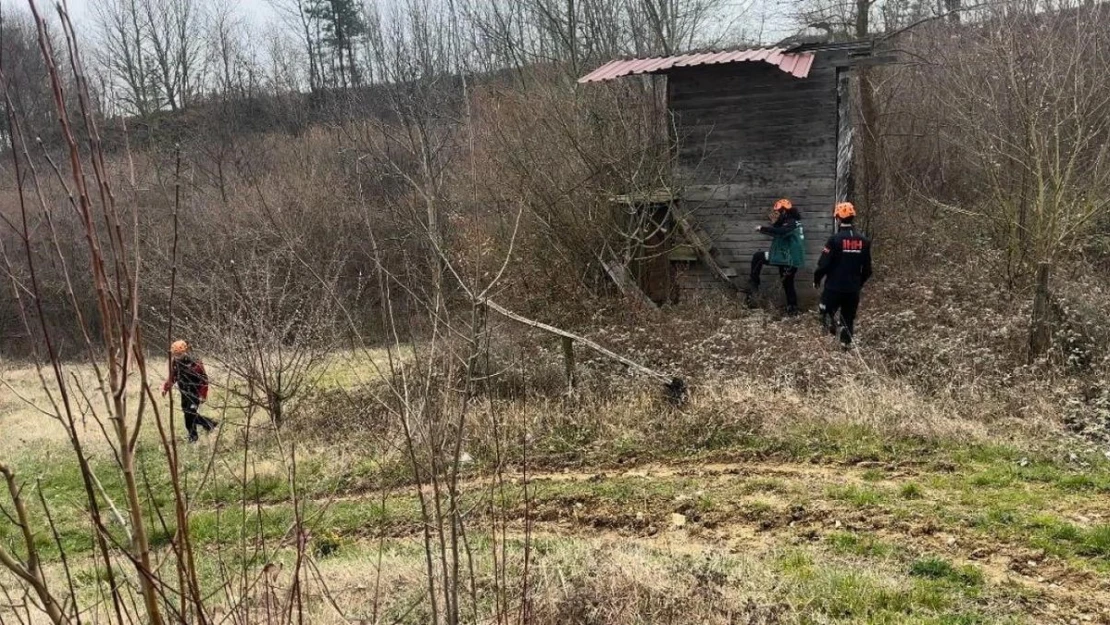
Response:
column 845, row 263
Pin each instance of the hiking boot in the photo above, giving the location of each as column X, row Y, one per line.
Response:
column 792, row 311
column 845, row 338
column 827, row 320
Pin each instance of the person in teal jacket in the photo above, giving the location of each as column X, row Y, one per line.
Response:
column 787, row 252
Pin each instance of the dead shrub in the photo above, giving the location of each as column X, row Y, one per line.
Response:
column 1087, row 412
column 1082, row 328
column 625, row 586
column 336, row 415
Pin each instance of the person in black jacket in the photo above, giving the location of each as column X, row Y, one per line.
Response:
column 191, row 379
column 845, row 266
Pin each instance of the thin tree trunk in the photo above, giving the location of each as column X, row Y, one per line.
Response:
column 1040, row 332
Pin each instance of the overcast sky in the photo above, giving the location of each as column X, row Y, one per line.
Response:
column 765, row 20
column 258, row 11
column 766, row 17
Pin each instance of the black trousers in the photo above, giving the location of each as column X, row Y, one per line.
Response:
column 786, row 274
column 846, row 304
column 190, row 405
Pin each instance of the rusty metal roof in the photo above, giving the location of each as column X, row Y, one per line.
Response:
column 796, row 64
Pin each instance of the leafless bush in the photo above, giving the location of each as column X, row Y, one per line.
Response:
column 1020, row 127
column 273, row 334
column 563, row 160
column 117, row 352
column 1083, row 334
column 135, row 579
column 26, row 72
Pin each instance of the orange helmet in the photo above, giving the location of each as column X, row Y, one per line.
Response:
column 783, row 205
column 844, row 210
column 178, row 348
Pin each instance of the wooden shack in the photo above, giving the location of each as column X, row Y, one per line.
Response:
column 752, row 126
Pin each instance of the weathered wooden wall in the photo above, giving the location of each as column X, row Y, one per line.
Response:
column 749, row 134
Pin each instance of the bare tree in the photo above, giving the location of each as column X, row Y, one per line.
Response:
column 25, row 70
column 414, row 54
column 1034, row 124
column 230, row 59
column 582, row 33
column 175, row 34
column 852, row 20
column 297, row 17
column 676, row 25
column 124, row 52
column 118, row 353
column 285, row 73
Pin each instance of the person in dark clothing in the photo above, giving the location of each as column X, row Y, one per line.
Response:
column 787, row 253
column 191, row 379
column 845, row 266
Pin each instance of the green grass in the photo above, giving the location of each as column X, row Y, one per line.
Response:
column 1065, row 538
column 841, row 592
column 1095, row 541
column 831, row 578
column 1009, row 509
column 873, row 475
column 858, row 496
column 997, row 492
column 910, row 491
column 998, row 517
column 265, row 488
column 1004, row 494
column 757, row 509
column 798, row 585
column 938, row 569
column 796, row 563
column 642, row 583
column 1043, row 471
column 849, row 543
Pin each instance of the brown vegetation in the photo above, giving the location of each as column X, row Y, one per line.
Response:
column 350, row 233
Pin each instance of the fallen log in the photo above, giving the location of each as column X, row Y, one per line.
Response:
column 675, row 386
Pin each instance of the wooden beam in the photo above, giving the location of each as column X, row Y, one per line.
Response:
column 683, row 252
column 625, row 283
column 568, row 361
column 659, row 196
column 703, row 249
column 868, row 61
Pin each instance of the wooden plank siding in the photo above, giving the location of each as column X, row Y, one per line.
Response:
column 748, row 134
column 845, row 142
